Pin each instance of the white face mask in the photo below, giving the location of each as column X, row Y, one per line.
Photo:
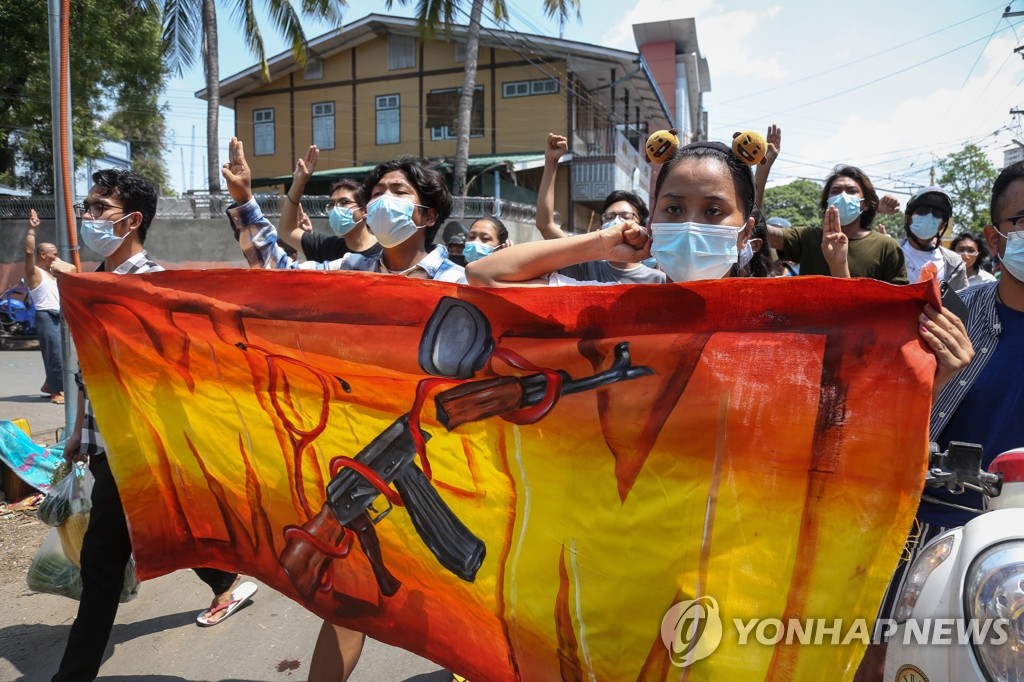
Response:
column 687, row 252
column 99, row 236
column 390, row 219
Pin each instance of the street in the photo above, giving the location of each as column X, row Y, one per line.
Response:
column 155, row 637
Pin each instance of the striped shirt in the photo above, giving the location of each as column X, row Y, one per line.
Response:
column 92, row 441
column 257, row 238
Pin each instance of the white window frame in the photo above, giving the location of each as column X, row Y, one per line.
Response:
column 262, row 122
column 385, row 104
column 323, row 114
column 401, row 52
column 442, row 133
column 539, row 86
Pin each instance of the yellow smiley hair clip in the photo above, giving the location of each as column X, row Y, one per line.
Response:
column 749, row 147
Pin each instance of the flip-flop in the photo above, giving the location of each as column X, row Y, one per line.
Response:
column 57, row 398
column 239, row 596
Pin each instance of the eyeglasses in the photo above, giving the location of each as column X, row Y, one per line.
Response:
column 925, row 210
column 94, row 209
column 968, row 251
column 625, row 215
column 1016, row 225
column 343, row 203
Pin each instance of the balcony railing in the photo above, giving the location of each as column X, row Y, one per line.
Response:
column 196, row 206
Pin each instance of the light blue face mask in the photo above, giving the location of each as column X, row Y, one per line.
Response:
column 687, row 252
column 1013, row 257
column 651, row 262
column 390, row 220
column 611, row 223
column 925, row 227
column 476, row 250
column 848, row 206
column 342, row 221
column 99, row 236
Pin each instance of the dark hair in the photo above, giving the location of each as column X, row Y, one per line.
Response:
column 499, row 227
column 866, row 188
column 136, row 194
column 742, row 178
column 1015, row 171
column 761, row 264
column 351, row 185
column 630, row 198
column 979, row 243
column 429, row 183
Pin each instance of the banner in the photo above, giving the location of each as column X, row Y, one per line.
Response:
column 523, row 484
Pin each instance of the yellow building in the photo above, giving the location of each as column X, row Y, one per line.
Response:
column 376, row 89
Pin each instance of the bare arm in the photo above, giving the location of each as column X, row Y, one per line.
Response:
column 774, row 140
column 530, row 263
column 32, row 277
column 290, row 229
column 553, row 151
column 775, row 239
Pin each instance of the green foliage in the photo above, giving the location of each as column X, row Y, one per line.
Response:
column 115, row 65
column 968, row 176
column 796, row 201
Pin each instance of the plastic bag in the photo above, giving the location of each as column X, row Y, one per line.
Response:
column 52, row 572
column 69, row 495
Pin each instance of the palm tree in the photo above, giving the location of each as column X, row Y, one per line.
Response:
column 434, row 13
column 189, row 24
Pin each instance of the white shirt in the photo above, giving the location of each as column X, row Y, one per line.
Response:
column 916, row 260
column 45, row 296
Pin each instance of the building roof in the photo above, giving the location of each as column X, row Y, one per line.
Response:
column 590, row 63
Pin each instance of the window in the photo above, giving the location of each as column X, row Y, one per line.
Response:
column 323, row 125
column 401, row 52
column 388, row 119
column 544, row 86
column 460, row 52
column 314, row 70
column 263, row 132
column 442, row 110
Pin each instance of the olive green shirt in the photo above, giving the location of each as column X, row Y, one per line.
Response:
column 874, row 255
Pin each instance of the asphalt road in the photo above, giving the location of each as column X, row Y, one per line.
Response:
column 155, row 638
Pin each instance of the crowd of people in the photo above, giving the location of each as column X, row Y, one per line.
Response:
column 706, row 222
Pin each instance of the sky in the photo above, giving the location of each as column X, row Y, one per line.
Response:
column 890, row 87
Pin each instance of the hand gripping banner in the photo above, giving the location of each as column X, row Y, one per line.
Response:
column 525, row 484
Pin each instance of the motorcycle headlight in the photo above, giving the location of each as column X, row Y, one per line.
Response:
column 994, row 601
column 926, row 562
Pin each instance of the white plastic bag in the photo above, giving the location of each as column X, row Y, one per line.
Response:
column 52, row 572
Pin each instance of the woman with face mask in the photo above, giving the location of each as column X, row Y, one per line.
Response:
column 845, row 245
column 927, row 218
column 702, row 227
column 971, row 249
column 486, row 235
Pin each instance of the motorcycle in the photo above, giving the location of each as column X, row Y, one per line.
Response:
column 960, row 616
column 17, row 318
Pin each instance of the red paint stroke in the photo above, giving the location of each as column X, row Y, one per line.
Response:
column 552, row 391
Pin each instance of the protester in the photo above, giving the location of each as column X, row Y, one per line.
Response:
column 985, row 404
column 486, row 235
column 869, row 254
column 704, row 196
column 971, row 248
column 407, row 203
column 346, row 216
column 42, row 287
column 618, row 207
column 116, row 216
column 926, row 219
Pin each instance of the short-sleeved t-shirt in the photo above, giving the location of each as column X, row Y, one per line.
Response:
column 874, row 255
column 325, row 247
column 603, row 271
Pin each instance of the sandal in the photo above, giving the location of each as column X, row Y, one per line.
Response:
column 57, row 398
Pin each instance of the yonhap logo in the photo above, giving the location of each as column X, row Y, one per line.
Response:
column 691, row 630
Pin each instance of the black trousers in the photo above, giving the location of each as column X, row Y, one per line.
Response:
column 105, row 553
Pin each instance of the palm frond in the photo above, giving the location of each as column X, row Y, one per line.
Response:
column 286, row 20
column 561, row 8
column 182, row 21
column 329, row 10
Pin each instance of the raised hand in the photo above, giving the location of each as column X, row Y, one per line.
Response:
column 305, row 224
column 236, row 172
column 626, row 242
column 888, row 205
column 774, row 146
column 33, row 219
column 557, row 145
column 304, row 167
column 834, row 244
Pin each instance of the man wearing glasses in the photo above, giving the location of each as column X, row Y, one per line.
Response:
column 985, row 401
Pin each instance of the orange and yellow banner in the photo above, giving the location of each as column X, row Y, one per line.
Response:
column 519, row 484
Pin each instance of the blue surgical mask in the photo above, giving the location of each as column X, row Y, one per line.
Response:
column 746, row 255
column 390, row 220
column 611, row 223
column 476, row 250
column 1013, row 258
column 925, row 227
column 848, row 206
column 342, row 221
column 650, row 262
column 691, row 251
column 99, row 236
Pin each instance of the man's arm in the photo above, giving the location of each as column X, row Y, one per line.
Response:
column 32, row 277
column 835, row 245
column 291, row 228
column 530, row 263
column 774, row 140
column 556, row 146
